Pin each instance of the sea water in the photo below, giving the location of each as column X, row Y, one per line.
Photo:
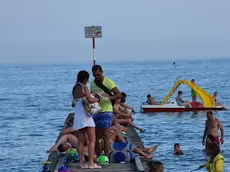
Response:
column 36, row 99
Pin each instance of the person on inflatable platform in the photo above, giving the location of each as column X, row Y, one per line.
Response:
column 182, row 102
column 193, row 93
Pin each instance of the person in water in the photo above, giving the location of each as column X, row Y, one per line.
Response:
column 216, row 160
column 212, row 125
column 150, row 100
column 193, row 93
column 182, row 102
column 177, row 150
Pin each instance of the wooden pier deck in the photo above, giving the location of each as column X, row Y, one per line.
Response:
column 138, row 164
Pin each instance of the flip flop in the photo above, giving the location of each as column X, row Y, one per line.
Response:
column 83, row 166
column 95, row 166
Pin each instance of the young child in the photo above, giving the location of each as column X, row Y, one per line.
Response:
column 177, row 150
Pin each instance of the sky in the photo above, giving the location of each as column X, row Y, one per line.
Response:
column 52, row 31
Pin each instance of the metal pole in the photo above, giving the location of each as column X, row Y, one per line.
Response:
column 94, row 57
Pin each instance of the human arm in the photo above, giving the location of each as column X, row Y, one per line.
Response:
column 117, row 111
column 67, row 130
column 222, row 132
column 88, row 97
column 116, row 94
column 180, row 99
column 181, row 152
column 205, row 132
column 202, row 166
column 128, row 107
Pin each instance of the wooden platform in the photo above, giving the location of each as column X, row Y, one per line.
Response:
column 57, row 159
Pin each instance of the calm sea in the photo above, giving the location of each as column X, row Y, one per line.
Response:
column 35, row 100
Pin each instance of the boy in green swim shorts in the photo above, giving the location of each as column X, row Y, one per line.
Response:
column 193, row 93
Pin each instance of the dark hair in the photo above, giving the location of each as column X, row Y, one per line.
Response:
column 60, row 148
column 210, row 137
column 215, row 92
column 180, row 92
column 148, row 95
column 123, row 100
column 81, row 77
column 155, row 166
column 123, row 94
column 209, row 112
column 176, row 144
column 193, row 80
column 214, row 150
column 97, row 67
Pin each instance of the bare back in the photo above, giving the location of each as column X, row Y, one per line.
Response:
column 78, row 92
column 152, row 101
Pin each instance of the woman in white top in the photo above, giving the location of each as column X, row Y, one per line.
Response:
column 83, row 122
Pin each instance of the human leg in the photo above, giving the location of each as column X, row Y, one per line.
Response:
column 140, row 152
column 91, row 147
column 117, row 137
column 63, row 139
column 106, row 139
column 128, row 121
column 149, row 150
column 98, row 132
column 103, row 122
column 81, row 139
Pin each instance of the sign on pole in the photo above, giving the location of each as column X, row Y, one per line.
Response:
column 93, row 32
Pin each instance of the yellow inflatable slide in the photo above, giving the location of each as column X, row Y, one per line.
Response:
column 204, row 96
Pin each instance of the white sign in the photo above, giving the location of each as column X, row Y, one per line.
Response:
column 93, row 32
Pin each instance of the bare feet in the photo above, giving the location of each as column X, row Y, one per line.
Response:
column 95, row 166
column 149, row 156
column 152, row 149
column 52, row 150
column 82, row 166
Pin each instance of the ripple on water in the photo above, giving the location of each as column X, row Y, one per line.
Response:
column 34, row 108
